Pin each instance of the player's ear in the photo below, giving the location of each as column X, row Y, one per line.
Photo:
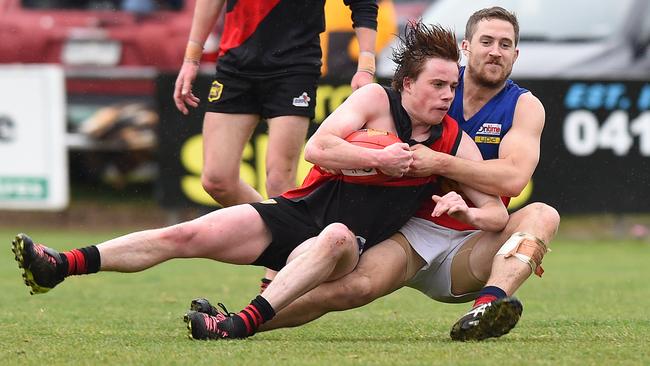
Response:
column 516, row 55
column 464, row 47
column 406, row 84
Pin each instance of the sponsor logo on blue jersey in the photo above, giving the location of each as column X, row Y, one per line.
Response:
column 488, row 133
column 491, row 129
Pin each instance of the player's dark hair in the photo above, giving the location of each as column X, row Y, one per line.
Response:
column 419, row 44
column 495, row 12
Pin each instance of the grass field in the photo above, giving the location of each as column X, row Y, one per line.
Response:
column 591, row 308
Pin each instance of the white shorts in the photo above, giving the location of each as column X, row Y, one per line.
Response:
column 437, row 245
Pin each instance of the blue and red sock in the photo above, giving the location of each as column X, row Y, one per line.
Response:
column 489, row 294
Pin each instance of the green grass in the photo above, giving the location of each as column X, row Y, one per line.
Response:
column 591, row 308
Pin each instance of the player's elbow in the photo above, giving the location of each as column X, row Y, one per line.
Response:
column 313, row 153
column 513, row 187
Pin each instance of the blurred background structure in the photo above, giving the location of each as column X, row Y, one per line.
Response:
column 87, row 84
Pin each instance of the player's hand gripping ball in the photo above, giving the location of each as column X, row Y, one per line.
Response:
column 373, row 139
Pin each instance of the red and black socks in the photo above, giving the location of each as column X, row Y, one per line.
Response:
column 246, row 322
column 81, row 261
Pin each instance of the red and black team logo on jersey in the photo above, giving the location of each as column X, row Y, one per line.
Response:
column 215, row 91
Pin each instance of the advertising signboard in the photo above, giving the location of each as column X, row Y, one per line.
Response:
column 595, row 149
column 34, row 164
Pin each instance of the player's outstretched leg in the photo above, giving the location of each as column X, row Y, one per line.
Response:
column 488, row 320
column 42, row 267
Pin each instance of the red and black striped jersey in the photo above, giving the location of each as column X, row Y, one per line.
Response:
column 275, row 37
column 375, row 211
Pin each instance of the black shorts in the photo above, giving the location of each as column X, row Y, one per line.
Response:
column 290, row 224
column 266, row 96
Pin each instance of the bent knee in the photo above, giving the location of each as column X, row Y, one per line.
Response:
column 551, row 215
column 547, row 215
column 177, row 237
column 178, row 232
column 219, row 184
column 335, row 240
column 280, row 180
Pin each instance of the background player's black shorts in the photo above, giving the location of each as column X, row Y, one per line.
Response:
column 290, row 224
column 267, row 96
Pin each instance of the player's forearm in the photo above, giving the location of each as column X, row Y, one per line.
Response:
column 335, row 153
column 364, row 21
column 367, row 38
column 206, row 13
column 496, row 176
column 491, row 217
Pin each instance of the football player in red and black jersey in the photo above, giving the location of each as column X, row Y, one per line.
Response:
column 316, row 233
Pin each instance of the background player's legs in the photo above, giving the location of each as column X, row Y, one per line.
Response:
column 287, row 136
column 381, row 270
column 224, row 138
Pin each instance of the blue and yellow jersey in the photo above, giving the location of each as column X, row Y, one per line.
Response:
column 488, row 126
